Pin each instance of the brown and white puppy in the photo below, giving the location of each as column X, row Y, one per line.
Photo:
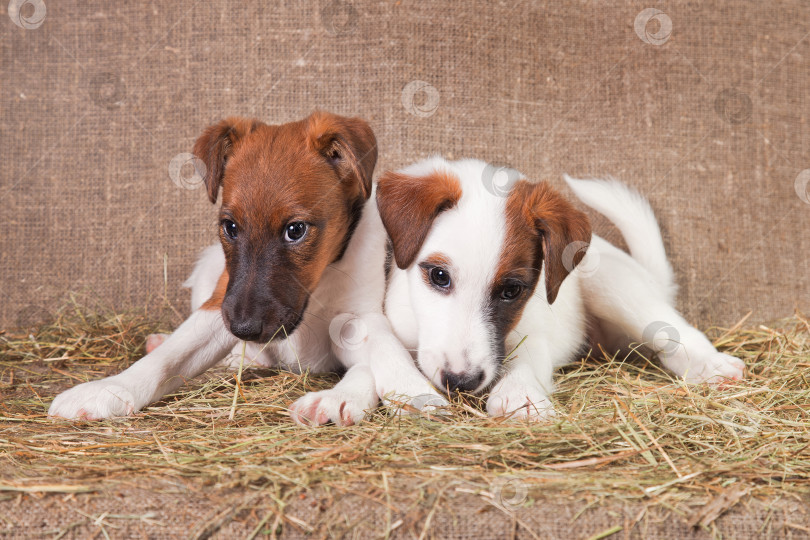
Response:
column 301, row 262
column 485, row 267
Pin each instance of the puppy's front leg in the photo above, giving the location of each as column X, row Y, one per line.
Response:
column 197, row 344
column 523, row 390
column 378, row 367
column 398, row 381
column 344, row 405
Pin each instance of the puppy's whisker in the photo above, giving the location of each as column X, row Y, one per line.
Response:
column 315, row 316
column 347, row 275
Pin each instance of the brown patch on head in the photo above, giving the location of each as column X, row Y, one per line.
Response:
column 437, row 259
column 316, row 171
column 409, row 204
column 216, row 145
column 349, row 144
column 541, row 223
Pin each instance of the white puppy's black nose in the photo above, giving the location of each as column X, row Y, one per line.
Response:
column 465, row 381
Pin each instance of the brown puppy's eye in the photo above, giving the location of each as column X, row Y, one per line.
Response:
column 295, row 232
column 511, row 291
column 230, row 229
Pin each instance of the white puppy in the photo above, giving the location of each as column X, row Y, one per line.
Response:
column 487, row 261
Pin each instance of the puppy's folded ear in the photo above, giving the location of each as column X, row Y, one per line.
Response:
column 347, row 144
column 216, row 144
column 563, row 232
column 409, row 204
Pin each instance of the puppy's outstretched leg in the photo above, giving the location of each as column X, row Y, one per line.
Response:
column 202, row 282
column 637, row 293
column 197, row 344
column 622, row 292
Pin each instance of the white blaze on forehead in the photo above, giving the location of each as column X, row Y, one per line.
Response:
column 471, row 235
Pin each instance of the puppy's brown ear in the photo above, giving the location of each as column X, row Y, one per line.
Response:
column 216, row 145
column 563, row 232
column 409, row 204
column 347, row 144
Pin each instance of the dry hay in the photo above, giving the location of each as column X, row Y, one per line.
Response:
column 626, row 429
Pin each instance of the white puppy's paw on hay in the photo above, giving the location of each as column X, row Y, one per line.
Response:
column 694, row 358
column 520, row 402
column 715, row 368
column 344, row 405
column 330, row 406
column 93, row 401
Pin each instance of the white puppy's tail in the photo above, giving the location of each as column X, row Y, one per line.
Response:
column 633, row 216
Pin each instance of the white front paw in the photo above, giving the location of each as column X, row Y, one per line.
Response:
column 519, row 401
column 340, row 408
column 94, row 400
column 715, row 368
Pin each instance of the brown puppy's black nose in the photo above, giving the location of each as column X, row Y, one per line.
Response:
column 461, row 382
column 248, row 330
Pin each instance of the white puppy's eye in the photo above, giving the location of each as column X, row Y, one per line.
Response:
column 295, row 232
column 511, row 291
column 436, row 273
column 440, row 277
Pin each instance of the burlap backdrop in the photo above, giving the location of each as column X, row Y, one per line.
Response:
column 708, row 120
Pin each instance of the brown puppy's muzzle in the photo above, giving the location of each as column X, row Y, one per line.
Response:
column 261, row 320
column 261, row 304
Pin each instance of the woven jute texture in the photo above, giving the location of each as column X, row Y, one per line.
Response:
column 411, row 510
column 701, row 105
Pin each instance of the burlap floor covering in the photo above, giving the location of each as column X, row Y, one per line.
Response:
column 415, row 511
column 701, row 105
